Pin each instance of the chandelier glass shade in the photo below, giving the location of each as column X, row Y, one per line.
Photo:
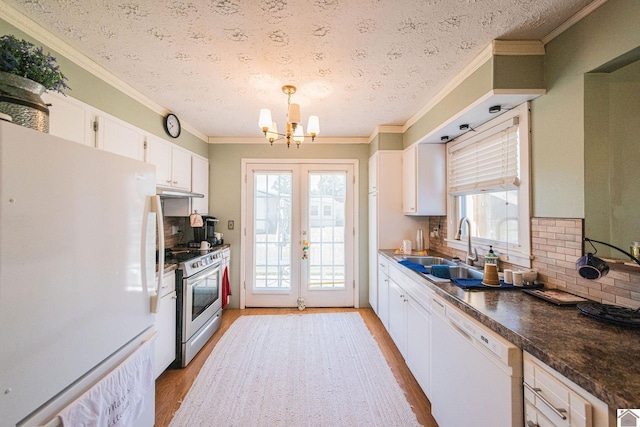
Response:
column 294, row 130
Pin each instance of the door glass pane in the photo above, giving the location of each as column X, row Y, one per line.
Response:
column 327, row 197
column 272, row 231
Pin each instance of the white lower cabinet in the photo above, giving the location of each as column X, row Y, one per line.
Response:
column 410, row 323
column 550, row 399
column 398, row 316
column 165, row 345
column 418, row 343
column 383, row 290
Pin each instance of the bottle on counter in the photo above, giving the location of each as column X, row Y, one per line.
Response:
column 419, row 240
column 491, row 257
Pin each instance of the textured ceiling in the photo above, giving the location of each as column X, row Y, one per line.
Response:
column 357, row 64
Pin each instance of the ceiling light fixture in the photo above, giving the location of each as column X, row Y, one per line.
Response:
column 294, row 128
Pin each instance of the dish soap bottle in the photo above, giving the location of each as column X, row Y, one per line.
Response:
column 491, row 257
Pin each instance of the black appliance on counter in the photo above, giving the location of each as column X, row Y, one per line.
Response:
column 206, row 232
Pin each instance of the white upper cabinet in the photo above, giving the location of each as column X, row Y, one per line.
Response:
column 159, row 154
column 180, row 168
column 373, row 173
column 200, row 184
column 69, row 119
column 173, row 164
column 117, row 136
column 424, row 180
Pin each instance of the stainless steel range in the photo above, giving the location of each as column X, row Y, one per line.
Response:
column 199, row 303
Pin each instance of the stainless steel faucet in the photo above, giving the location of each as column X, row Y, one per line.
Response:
column 470, row 258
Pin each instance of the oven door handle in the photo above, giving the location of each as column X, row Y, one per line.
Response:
column 156, row 207
column 210, row 270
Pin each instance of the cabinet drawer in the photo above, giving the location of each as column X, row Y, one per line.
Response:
column 551, row 392
column 383, row 265
column 534, row 418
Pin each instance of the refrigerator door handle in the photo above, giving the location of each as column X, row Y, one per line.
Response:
column 156, row 206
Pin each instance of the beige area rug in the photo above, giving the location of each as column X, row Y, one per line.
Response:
column 296, row 370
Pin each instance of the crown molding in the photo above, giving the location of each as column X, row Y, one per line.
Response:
column 28, row 26
column 385, row 129
column 328, row 140
column 517, row 47
column 480, row 59
column 496, row 47
column 573, row 20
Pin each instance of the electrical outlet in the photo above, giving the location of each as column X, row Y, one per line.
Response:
column 230, row 224
column 174, row 230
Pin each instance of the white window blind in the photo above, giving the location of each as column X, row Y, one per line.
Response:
column 488, row 162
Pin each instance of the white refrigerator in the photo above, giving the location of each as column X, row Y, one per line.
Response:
column 77, row 282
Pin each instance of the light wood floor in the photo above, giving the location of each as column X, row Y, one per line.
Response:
column 173, row 384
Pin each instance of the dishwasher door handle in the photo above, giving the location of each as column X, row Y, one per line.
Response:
column 538, row 392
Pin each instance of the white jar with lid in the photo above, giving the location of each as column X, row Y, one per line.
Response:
column 635, row 249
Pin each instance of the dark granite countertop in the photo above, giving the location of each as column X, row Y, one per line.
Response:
column 600, row 357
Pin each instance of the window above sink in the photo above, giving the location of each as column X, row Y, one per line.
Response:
column 488, row 182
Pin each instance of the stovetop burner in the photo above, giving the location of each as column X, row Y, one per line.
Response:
column 611, row 313
column 180, row 255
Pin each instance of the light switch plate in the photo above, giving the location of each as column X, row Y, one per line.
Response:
column 230, row 224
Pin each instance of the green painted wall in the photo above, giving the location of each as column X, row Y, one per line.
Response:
column 558, row 118
column 466, row 93
column 612, row 156
column 518, row 72
column 385, row 141
column 225, row 201
column 91, row 90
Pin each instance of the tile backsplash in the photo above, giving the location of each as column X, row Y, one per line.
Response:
column 556, row 245
column 172, row 240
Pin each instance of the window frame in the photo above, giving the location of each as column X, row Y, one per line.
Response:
column 519, row 254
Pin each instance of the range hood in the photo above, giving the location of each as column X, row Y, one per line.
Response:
column 175, row 193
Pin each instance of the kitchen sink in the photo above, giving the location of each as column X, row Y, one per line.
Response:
column 425, row 260
column 456, row 269
column 465, row 272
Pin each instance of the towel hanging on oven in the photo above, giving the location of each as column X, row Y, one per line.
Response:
column 195, row 220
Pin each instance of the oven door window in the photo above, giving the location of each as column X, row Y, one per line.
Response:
column 205, row 292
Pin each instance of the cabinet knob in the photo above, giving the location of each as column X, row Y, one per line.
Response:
column 175, row 182
column 169, row 181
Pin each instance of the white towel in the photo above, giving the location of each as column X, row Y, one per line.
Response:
column 118, row 399
column 195, row 220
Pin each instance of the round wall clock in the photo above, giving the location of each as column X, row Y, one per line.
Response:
column 172, row 125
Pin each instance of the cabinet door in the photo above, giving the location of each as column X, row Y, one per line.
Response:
column 200, row 184
column 69, row 119
column 424, row 180
column 373, row 253
column 409, row 199
column 121, row 138
column 159, row 154
column 180, row 168
column 165, row 346
column 373, row 171
column 397, row 322
column 383, row 296
column 419, row 343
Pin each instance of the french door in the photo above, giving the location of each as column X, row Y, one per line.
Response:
column 299, row 236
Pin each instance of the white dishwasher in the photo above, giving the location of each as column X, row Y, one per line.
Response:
column 476, row 375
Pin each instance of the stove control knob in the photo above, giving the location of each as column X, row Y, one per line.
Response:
column 194, row 265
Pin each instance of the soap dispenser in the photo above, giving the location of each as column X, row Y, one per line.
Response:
column 491, row 257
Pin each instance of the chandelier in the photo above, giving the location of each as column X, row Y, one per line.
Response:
column 294, row 129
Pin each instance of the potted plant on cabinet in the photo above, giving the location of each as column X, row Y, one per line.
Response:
column 26, row 72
